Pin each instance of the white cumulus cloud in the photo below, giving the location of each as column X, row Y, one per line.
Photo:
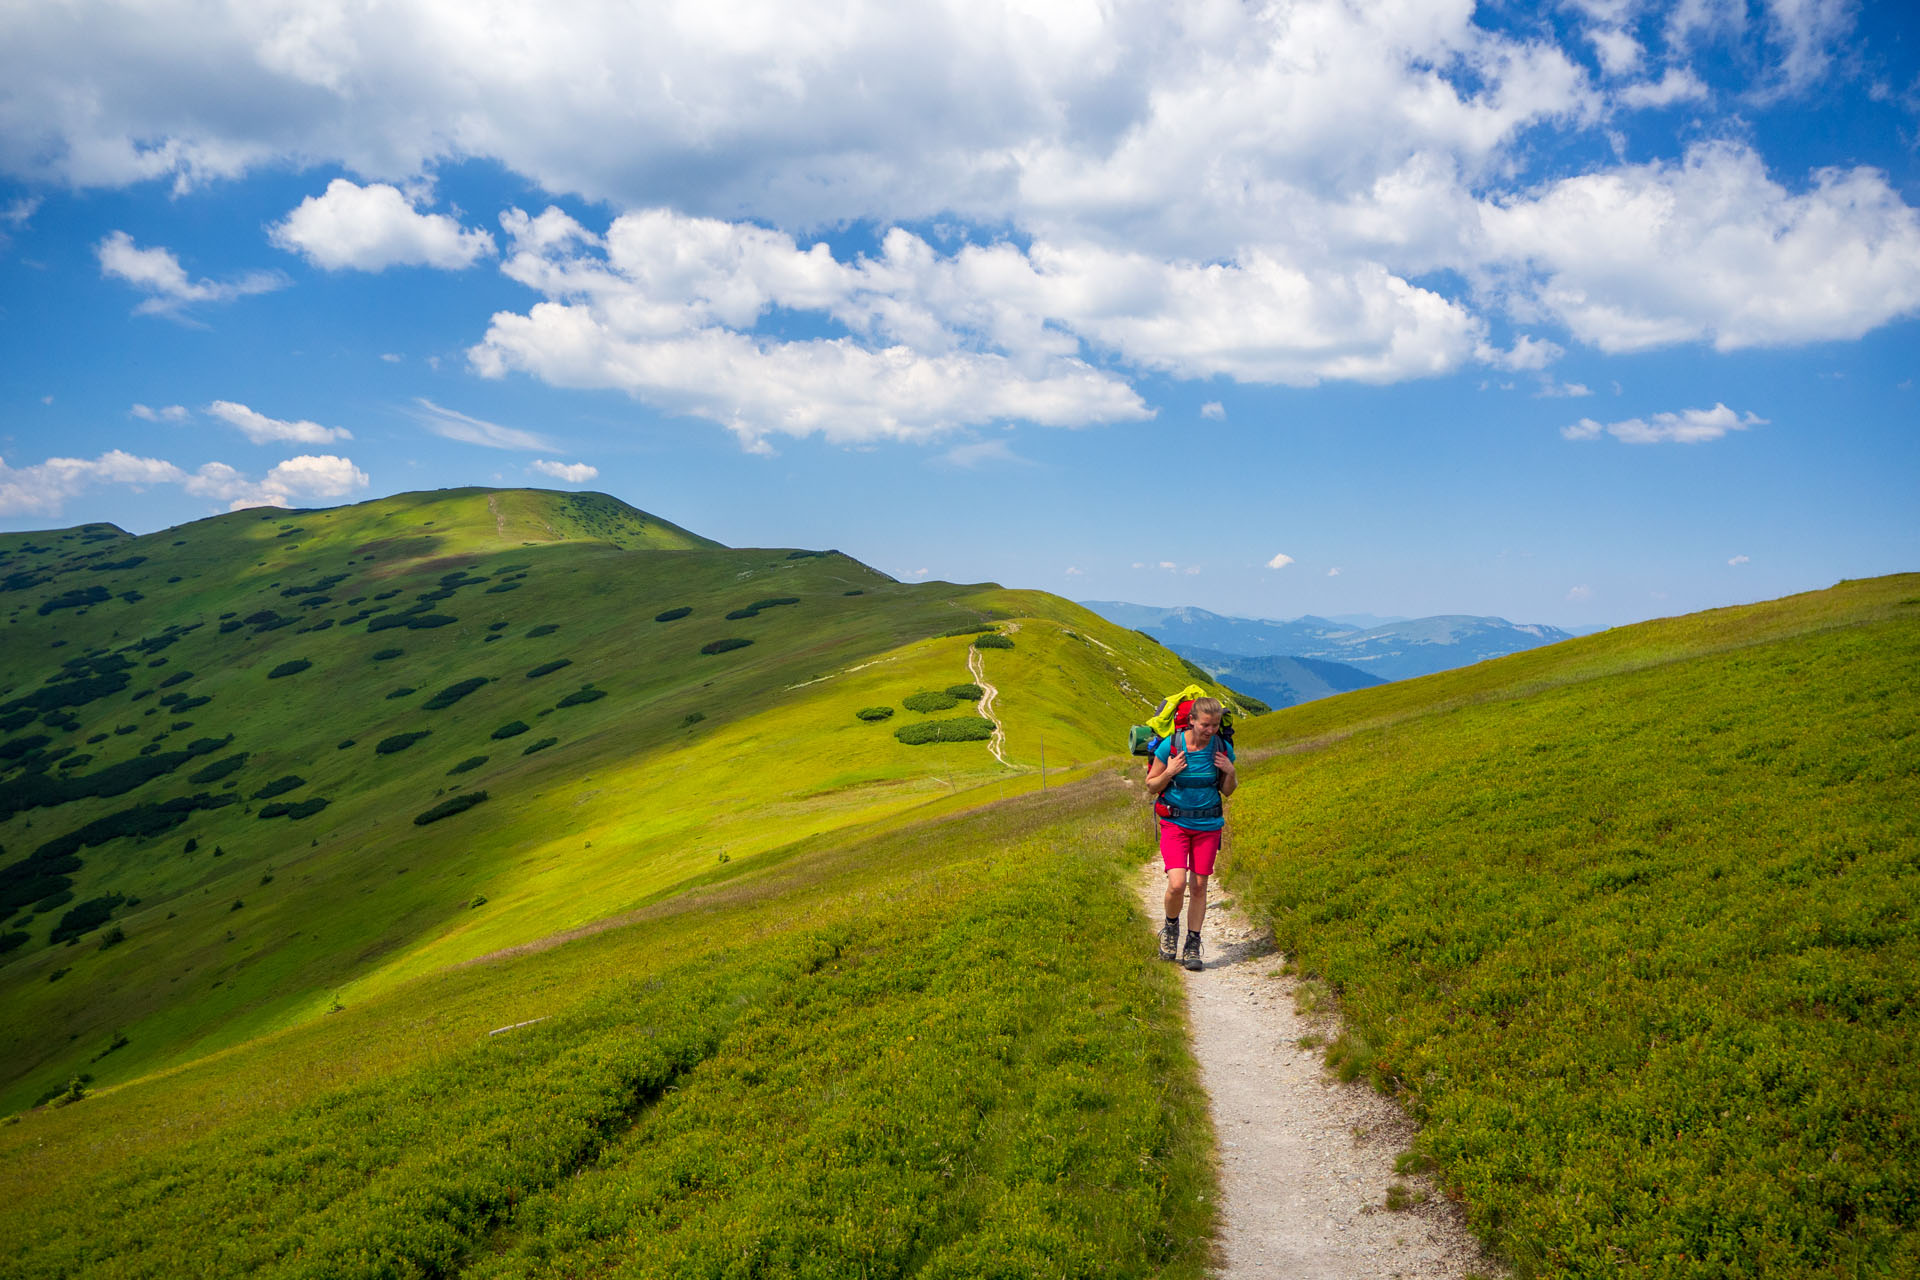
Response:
column 158, row 273
column 1712, row 249
column 570, row 472
column 1689, row 426
column 43, row 488
column 1579, row 593
column 261, row 429
column 1213, row 409
column 1280, row 561
column 371, row 228
column 1737, row 561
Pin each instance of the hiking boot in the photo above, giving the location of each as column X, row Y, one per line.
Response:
column 1190, row 954
column 1170, row 941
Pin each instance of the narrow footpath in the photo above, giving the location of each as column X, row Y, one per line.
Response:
column 977, row 667
column 1305, row 1161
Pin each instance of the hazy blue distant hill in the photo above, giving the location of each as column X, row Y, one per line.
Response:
column 1394, row 651
column 1282, row 682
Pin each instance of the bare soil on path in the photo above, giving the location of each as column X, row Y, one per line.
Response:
column 1305, row 1161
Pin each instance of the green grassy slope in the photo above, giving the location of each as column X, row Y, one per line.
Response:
column 1630, row 924
column 248, row 665
column 945, row 1052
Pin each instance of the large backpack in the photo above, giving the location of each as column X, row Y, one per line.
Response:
column 1173, row 716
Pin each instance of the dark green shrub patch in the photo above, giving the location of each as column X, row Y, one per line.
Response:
column 807, row 555
column 86, row 917
column 46, row 790
column 280, row 786
column 874, row 713
column 413, row 621
column 673, row 615
column 955, row 729
column 399, row 742
column 453, row 693
column 450, row 806
column 471, row 762
column 972, row 630
column 544, row 629
column 295, row 811
column 499, row 587
column 968, row 692
column 9, row 941
column 692, row 718
column 995, row 641
column 343, row 744
column 318, row 587
column 929, row 700
column 855, row 592
column 541, row 745
column 582, row 696
column 404, row 691
column 387, row 655
column 754, row 609
column 78, row 598
column 113, row 937
column 141, row 820
column 724, row 646
column 14, row 748
column 292, row 668
column 14, row 720
column 80, row 761
column 512, row 729
column 58, row 898
column 548, row 668
column 178, row 677
column 219, row 769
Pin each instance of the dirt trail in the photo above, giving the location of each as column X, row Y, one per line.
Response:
column 977, row 668
column 1305, row 1161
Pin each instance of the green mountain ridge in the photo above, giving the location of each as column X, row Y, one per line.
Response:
column 283, row 753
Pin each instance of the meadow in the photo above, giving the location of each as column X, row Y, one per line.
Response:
column 1629, row 925
column 967, row 1063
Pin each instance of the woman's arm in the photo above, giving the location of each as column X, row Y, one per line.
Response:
column 1229, row 776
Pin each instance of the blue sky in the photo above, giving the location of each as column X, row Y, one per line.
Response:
column 1572, row 313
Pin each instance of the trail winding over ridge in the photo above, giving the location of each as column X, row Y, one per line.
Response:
column 977, row 668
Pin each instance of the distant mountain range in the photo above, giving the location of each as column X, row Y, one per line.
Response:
column 1391, row 651
column 1281, row 682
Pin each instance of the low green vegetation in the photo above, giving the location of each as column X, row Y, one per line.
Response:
column 1631, row 924
column 280, row 786
column 293, row 668
column 673, row 615
column 470, row 763
column 810, row 1081
column 450, row 806
column 874, row 714
column 994, row 641
column 724, row 646
column 581, row 696
column 968, row 692
column 540, row 745
column 453, row 693
column 952, row 729
column 511, row 729
column 930, row 700
column 548, row 668
column 399, row 741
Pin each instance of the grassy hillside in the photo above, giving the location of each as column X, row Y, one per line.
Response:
column 1630, row 924
column 236, row 750
column 943, row 1052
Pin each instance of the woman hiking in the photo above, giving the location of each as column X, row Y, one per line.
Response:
column 1191, row 773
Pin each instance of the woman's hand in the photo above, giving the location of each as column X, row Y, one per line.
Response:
column 1223, row 762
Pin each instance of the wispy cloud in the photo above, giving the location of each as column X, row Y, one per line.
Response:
column 1280, row 561
column 1213, row 409
column 166, row 413
column 1579, row 593
column 261, row 429
column 1738, row 560
column 455, row 425
column 969, row 456
column 157, row 272
column 1689, row 426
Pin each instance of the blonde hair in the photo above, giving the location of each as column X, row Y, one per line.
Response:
column 1208, row 707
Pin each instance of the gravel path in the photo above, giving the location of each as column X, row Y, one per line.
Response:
column 1305, row 1161
column 977, row 668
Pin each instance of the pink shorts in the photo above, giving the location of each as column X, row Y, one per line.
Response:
column 1192, row 850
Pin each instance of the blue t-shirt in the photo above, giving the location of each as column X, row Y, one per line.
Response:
column 1200, row 769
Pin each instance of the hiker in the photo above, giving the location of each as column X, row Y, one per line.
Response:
column 1191, row 772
